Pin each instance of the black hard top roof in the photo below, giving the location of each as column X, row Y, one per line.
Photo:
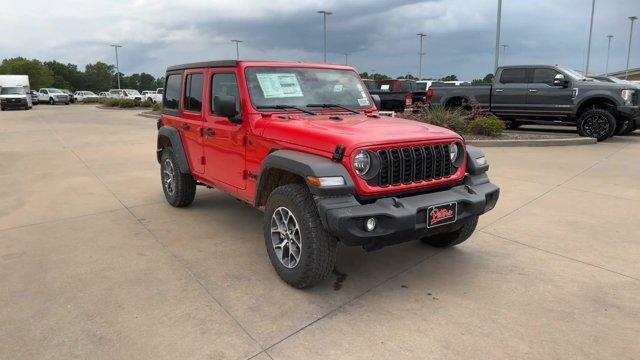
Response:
column 204, row 64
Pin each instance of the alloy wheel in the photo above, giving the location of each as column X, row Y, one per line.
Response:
column 168, row 177
column 286, row 237
column 595, row 125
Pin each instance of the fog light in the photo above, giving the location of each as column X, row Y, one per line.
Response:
column 371, row 224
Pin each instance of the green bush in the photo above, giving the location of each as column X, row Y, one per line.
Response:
column 147, row 103
column 129, row 103
column 112, row 102
column 486, row 125
column 90, row 100
column 102, row 100
column 157, row 107
column 447, row 118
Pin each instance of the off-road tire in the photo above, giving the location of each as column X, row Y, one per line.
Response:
column 455, row 237
column 318, row 247
column 605, row 129
column 184, row 187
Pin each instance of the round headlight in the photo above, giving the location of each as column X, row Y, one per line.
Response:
column 361, row 163
column 455, row 152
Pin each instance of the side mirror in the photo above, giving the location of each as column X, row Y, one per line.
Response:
column 225, row 105
column 559, row 80
column 376, row 101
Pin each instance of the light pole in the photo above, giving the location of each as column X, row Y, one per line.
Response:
column 421, row 35
column 606, row 67
column 237, row 48
column 626, row 72
column 324, row 18
column 504, row 53
column 117, row 64
column 497, row 50
column 346, row 58
column 593, row 7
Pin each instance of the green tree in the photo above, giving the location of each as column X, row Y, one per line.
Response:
column 39, row 75
column 449, row 78
column 99, row 76
column 408, row 77
column 488, row 78
column 66, row 76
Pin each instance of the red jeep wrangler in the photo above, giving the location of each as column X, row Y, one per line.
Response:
column 303, row 143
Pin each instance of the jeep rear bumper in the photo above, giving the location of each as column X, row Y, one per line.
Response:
column 404, row 219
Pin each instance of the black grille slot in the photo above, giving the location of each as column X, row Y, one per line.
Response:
column 446, row 160
column 407, row 165
column 412, row 165
column 428, row 163
column 384, row 167
column 437, row 163
column 396, row 166
column 418, row 169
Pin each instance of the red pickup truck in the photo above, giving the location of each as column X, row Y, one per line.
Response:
column 304, row 144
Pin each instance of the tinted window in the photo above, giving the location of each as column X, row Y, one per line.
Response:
column 544, row 76
column 510, row 76
column 405, row 85
column 224, row 85
column 172, row 95
column 193, row 93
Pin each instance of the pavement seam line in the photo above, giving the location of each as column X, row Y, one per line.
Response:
column 560, row 255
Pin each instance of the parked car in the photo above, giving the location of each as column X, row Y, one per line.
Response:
column 304, row 144
column 153, row 96
column 550, row 95
column 103, row 94
column 72, row 99
column 399, row 95
column 13, row 97
column 53, row 96
column 125, row 94
column 82, row 95
column 34, row 97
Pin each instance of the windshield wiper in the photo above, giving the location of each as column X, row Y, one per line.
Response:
column 326, row 106
column 284, row 107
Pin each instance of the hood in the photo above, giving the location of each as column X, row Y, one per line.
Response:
column 592, row 84
column 323, row 132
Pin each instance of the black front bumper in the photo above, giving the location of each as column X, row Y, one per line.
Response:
column 14, row 105
column 404, row 219
column 630, row 113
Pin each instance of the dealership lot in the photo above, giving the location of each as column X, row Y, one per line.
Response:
column 94, row 263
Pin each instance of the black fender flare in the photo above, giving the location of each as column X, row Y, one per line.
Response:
column 476, row 161
column 169, row 136
column 304, row 165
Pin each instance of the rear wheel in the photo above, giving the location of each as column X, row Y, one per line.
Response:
column 596, row 123
column 179, row 188
column 455, row 237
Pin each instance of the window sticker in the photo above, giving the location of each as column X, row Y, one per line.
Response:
column 338, row 88
column 363, row 102
column 384, row 87
column 279, row 85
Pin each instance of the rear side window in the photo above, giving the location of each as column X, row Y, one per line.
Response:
column 193, row 93
column 224, row 84
column 544, row 76
column 511, row 76
column 171, row 99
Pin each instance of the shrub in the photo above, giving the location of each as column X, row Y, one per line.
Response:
column 440, row 116
column 157, row 107
column 102, row 100
column 112, row 102
column 486, row 125
column 146, row 103
column 90, row 100
column 129, row 103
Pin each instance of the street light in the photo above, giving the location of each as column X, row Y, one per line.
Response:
column 346, row 58
column 593, row 7
column 324, row 17
column 606, row 67
column 421, row 35
column 626, row 72
column 237, row 48
column 117, row 64
column 504, row 53
column 497, row 50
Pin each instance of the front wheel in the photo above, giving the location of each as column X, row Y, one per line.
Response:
column 596, row 123
column 300, row 249
column 51, row 101
column 455, row 237
column 179, row 188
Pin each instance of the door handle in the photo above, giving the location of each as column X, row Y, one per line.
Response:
column 184, row 126
column 499, row 90
column 533, row 90
column 208, row 132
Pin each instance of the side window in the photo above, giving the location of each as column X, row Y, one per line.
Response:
column 171, row 99
column 44, row 91
column 511, row 76
column 224, row 84
column 405, row 85
column 544, row 76
column 193, row 93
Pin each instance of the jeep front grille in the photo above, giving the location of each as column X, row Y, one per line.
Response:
column 413, row 165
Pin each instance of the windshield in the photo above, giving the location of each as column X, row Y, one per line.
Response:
column 89, row 93
column 301, row 87
column 572, row 73
column 132, row 92
column 12, row 91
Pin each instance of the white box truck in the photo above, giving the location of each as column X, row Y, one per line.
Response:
column 15, row 92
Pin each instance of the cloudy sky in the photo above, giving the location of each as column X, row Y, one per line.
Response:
column 380, row 34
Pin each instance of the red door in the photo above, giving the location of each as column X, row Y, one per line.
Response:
column 223, row 140
column 191, row 119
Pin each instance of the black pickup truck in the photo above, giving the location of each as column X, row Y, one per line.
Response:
column 398, row 95
column 546, row 94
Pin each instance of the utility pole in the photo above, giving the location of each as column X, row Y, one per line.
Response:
column 626, row 72
column 237, row 48
column 324, row 17
column 117, row 64
column 346, row 58
column 504, row 53
column 606, row 67
column 497, row 50
column 421, row 35
column 593, row 7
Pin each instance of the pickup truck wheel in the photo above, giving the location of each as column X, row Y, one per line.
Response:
column 300, row 249
column 179, row 189
column 453, row 238
column 51, row 101
column 596, row 123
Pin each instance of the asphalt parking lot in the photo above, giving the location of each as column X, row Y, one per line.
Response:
column 94, row 264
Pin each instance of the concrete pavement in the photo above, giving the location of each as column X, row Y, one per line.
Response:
column 94, row 263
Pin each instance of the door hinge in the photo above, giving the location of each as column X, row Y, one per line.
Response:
column 203, row 160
